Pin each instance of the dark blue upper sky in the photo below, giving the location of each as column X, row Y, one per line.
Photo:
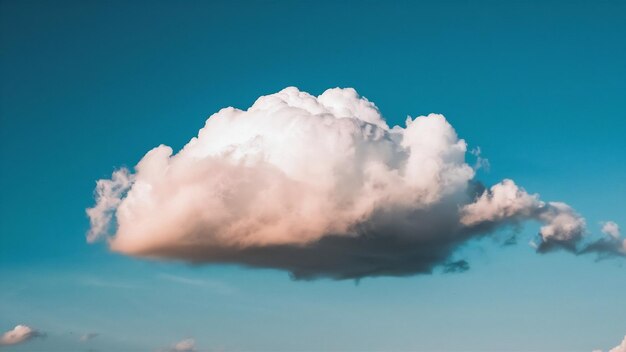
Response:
column 87, row 86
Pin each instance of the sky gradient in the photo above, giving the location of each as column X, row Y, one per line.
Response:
column 91, row 86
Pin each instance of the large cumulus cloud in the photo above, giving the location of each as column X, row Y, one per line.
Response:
column 319, row 186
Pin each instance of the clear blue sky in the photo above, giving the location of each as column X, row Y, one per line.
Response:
column 87, row 86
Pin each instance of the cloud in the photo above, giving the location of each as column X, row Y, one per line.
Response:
column 610, row 228
column 109, row 194
column 19, row 334
column 88, row 336
column 187, row 345
column 320, row 187
column 505, row 202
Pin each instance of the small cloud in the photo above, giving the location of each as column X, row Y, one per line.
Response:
column 610, row 228
column 88, row 336
column 481, row 163
column 186, row 345
column 19, row 334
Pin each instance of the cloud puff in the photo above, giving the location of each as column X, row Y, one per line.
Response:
column 187, row 345
column 610, row 228
column 319, row 186
column 506, row 202
column 19, row 334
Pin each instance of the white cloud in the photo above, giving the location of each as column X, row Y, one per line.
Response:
column 611, row 228
column 187, row 345
column 109, row 195
column 562, row 224
column 289, row 170
column 319, row 186
column 505, row 201
column 19, row 334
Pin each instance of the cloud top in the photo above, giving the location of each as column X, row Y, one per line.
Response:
column 318, row 186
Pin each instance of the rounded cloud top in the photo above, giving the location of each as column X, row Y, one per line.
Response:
column 318, row 186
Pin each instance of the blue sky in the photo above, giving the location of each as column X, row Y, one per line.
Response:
column 90, row 86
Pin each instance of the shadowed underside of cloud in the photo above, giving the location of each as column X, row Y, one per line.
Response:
column 320, row 187
column 611, row 245
column 19, row 334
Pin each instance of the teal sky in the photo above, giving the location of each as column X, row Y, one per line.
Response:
column 89, row 86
